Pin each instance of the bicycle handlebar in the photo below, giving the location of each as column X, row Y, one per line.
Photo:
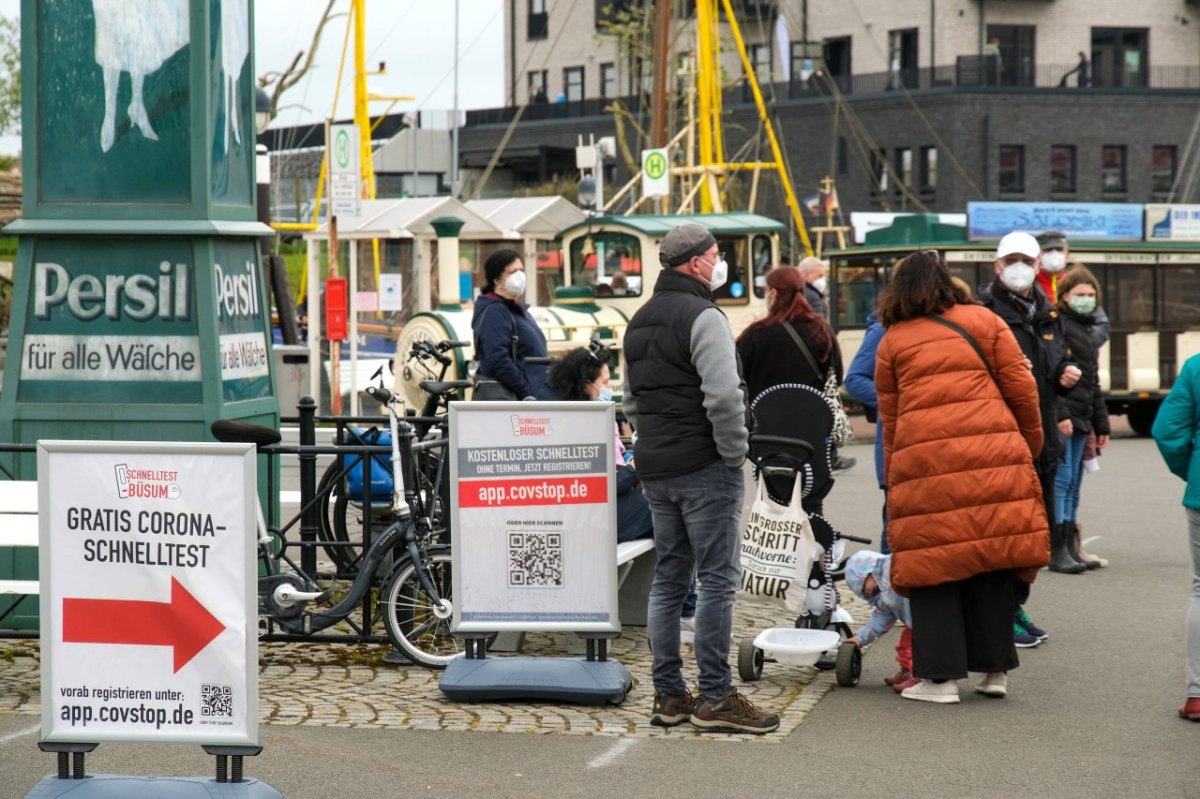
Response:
column 380, row 394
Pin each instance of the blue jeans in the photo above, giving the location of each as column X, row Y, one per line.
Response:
column 696, row 530
column 1068, row 477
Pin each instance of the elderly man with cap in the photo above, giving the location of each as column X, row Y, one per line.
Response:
column 686, row 399
column 1056, row 257
column 815, row 283
column 1038, row 328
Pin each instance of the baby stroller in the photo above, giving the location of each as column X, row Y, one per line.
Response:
column 791, row 442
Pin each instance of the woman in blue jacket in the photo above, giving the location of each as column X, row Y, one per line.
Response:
column 1175, row 431
column 505, row 333
column 860, row 385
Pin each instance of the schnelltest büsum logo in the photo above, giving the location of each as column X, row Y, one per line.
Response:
column 530, row 425
column 146, row 483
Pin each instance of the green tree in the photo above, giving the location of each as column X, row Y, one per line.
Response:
column 10, row 75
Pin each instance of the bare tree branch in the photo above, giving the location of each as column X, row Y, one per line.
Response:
column 282, row 81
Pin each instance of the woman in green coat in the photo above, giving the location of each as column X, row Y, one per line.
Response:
column 1175, row 431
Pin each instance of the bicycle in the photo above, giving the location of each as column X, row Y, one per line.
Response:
column 362, row 482
column 406, row 559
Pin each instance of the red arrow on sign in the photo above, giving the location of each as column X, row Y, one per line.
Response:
column 183, row 623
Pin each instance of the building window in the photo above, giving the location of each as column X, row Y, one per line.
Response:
column 902, row 59
column 539, row 23
column 928, row 175
column 608, row 80
column 1012, row 169
column 1162, row 168
column 573, row 84
column 837, row 61
column 537, row 86
column 1112, row 169
column 904, row 167
column 642, row 81
column 1120, row 56
column 1062, row 168
column 1009, row 55
column 760, row 60
column 805, row 58
column 879, row 171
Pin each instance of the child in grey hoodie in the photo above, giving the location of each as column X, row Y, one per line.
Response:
column 869, row 576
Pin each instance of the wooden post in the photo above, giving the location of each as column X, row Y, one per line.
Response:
column 335, row 347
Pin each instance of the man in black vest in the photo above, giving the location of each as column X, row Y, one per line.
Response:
column 685, row 397
column 1037, row 327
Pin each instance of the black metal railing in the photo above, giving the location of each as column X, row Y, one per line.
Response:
column 968, row 72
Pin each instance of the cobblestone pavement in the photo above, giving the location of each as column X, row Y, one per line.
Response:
column 335, row 685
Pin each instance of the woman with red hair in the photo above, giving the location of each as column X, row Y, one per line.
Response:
column 768, row 348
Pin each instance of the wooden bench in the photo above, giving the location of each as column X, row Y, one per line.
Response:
column 19, row 527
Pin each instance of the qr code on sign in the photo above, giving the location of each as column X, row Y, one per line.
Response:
column 535, row 560
column 216, row 700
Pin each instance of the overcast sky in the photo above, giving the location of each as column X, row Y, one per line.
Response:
column 414, row 37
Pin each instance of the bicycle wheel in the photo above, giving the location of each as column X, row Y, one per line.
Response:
column 331, row 523
column 413, row 622
column 340, row 521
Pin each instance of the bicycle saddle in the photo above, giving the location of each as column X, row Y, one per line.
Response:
column 231, row 431
column 442, row 386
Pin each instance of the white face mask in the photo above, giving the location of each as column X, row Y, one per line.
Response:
column 820, row 284
column 720, row 273
column 1017, row 277
column 1053, row 260
column 515, row 284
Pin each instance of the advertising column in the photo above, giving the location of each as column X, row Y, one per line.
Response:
column 138, row 310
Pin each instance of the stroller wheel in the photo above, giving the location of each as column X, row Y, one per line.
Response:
column 750, row 660
column 849, row 665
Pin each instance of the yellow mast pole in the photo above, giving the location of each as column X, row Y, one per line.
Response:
column 704, row 9
column 362, row 117
column 784, row 178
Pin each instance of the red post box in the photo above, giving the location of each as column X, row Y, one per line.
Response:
column 336, row 309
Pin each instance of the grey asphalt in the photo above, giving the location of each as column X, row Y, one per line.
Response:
column 1091, row 713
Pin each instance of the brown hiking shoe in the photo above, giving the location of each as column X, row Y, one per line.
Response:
column 734, row 713
column 672, row 709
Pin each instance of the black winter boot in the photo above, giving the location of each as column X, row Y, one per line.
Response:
column 1071, row 537
column 1060, row 557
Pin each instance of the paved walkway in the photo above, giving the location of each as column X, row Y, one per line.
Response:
column 350, row 686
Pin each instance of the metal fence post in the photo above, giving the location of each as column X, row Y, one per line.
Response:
column 308, row 485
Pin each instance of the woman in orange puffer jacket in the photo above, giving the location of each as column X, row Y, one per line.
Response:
column 966, row 519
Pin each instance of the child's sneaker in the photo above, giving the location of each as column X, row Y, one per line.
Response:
column 734, row 713
column 904, row 675
column 1022, row 618
column 1023, row 639
column 672, row 709
column 901, row 687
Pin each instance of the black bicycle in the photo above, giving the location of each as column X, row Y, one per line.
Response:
column 406, row 564
column 356, row 489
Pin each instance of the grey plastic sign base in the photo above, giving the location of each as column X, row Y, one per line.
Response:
column 115, row 786
column 574, row 680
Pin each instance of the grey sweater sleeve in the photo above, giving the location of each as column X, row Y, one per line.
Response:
column 715, row 359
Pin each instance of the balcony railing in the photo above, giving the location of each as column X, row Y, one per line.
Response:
column 966, row 74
